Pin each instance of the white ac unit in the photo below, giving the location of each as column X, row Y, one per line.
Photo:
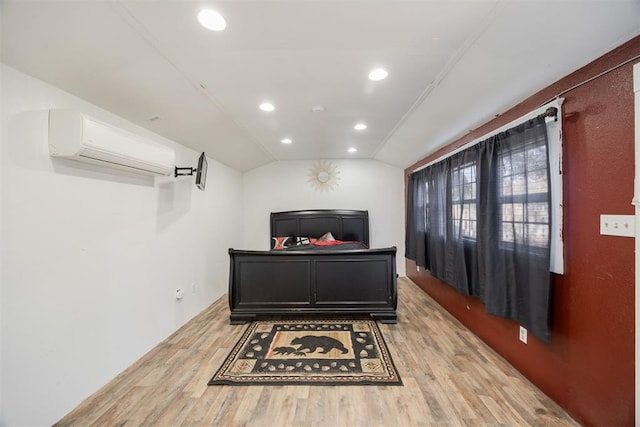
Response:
column 76, row 136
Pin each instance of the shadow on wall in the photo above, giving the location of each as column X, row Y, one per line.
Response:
column 82, row 170
column 174, row 200
column 28, row 148
column 27, row 145
column 109, row 192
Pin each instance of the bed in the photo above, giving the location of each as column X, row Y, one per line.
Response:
column 346, row 278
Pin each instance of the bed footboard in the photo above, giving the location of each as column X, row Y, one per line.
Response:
column 272, row 283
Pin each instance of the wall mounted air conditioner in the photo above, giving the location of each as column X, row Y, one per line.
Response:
column 76, row 136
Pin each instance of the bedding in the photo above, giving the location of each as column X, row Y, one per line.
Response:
column 325, row 246
column 324, row 242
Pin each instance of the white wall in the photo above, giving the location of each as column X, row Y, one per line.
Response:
column 91, row 259
column 363, row 184
column 1, row 239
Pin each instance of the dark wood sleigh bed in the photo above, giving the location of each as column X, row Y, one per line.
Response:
column 334, row 282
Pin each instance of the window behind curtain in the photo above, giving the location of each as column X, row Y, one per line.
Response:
column 463, row 201
column 524, row 196
column 485, row 212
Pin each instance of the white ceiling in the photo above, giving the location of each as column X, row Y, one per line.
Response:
column 452, row 66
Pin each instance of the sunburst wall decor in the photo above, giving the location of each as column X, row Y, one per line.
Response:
column 323, row 176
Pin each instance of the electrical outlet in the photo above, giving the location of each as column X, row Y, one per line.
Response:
column 523, row 334
column 618, row 225
column 179, row 294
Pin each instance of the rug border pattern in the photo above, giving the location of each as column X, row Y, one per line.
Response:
column 222, row 377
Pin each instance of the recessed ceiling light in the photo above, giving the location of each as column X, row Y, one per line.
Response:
column 352, row 150
column 378, row 74
column 286, row 140
column 267, row 106
column 318, row 109
column 360, row 126
column 211, row 20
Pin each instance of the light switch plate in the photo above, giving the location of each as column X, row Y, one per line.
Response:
column 618, row 225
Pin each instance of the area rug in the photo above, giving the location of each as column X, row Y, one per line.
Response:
column 307, row 352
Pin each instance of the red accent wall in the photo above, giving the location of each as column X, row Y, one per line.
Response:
column 588, row 367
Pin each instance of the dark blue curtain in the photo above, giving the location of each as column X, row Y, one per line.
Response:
column 479, row 220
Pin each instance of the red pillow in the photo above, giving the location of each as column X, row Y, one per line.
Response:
column 282, row 242
column 330, row 243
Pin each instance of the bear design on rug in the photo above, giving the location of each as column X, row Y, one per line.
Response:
column 287, row 350
column 312, row 342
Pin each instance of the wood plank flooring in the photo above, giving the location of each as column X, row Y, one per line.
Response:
column 451, row 378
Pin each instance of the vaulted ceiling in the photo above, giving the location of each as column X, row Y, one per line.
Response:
column 452, row 65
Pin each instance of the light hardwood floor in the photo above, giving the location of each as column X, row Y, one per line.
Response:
column 450, row 378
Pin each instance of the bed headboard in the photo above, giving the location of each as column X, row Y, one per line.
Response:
column 343, row 224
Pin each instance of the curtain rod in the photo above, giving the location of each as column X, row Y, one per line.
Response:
column 550, row 109
column 615, row 67
column 557, row 97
